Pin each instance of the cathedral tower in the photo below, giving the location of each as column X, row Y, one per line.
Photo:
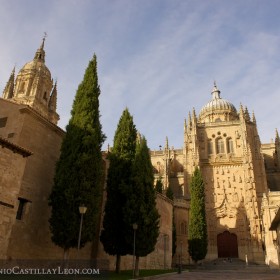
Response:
column 226, row 146
column 34, row 86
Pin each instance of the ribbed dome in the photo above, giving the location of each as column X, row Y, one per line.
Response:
column 36, row 66
column 217, row 106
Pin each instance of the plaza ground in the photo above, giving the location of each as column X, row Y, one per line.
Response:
column 221, row 275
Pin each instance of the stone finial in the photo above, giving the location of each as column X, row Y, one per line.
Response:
column 246, row 114
column 253, row 118
column 215, row 92
column 8, row 91
column 189, row 120
column 241, row 112
column 166, row 143
column 194, row 115
column 277, row 139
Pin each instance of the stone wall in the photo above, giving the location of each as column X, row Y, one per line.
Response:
column 11, row 170
column 161, row 257
column 270, row 205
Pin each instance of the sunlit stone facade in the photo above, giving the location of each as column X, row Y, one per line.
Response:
column 238, row 171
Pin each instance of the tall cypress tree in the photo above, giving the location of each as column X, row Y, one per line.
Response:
column 141, row 205
column 78, row 174
column 197, row 238
column 119, row 181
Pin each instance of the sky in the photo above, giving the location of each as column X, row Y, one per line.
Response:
column 158, row 58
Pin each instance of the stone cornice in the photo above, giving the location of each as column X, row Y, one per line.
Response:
column 163, row 197
column 15, row 148
column 27, row 109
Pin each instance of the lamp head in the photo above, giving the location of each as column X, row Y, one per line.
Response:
column 82, row 209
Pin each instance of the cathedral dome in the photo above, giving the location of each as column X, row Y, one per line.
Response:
column 36, row 66
column 218, row 109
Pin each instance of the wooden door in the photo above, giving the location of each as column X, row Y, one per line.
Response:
column 227, row 245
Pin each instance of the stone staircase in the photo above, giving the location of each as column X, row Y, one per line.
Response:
column 231, row 264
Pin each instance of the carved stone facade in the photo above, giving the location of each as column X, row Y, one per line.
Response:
column 237, row 170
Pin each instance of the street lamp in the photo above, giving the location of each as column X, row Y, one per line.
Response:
column 82, row 210
column 135, row 227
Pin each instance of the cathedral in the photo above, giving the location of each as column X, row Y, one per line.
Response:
column 241, row 177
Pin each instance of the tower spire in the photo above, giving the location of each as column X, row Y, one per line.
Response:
column 277, row 139
column 40, row 53
column 166, row 143
column 8, row 92
column 253, row 117
column 246, row 114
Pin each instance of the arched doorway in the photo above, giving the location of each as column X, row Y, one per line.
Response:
column 227, row 245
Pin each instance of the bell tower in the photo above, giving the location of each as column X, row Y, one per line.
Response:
column 34, row 86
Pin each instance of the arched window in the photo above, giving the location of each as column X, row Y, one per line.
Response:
column 210, row 147
column 230, row 146
column 220, row 146
column 22, row 86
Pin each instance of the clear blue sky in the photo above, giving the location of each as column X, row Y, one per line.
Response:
column 159, row 58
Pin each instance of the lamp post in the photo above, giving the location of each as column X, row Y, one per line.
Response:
column 164, row 259
column 181, row 254
column 135, row 227
column 82, row 210
column 180, row 259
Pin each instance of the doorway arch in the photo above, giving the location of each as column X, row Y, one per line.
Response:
column 227, row 245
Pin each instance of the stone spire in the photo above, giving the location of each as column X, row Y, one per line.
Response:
column 166, row 143
column 246, row 114
column 253, row 117
column 241, row 112
column 189, row 120
column 277, row 139
column 194, row 116
column 8, row 92
column 40, row 53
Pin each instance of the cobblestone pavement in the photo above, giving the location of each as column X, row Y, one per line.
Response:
column 222, row 275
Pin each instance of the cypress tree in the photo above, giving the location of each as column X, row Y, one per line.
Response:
column 169, row 193
column 197, row 238
column 159, row 186
column 119, row 182
column 79, row 172
column 141, row 205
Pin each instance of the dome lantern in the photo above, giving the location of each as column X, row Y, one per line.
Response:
column 217, row 109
